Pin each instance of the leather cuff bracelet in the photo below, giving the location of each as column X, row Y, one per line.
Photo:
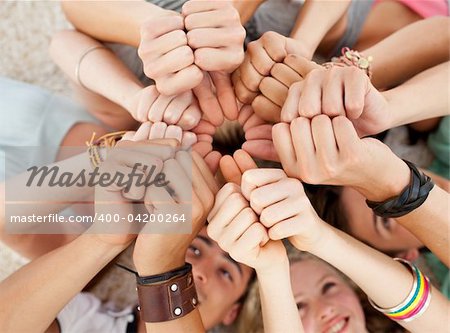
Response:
column 412, row 197
column 167, row 296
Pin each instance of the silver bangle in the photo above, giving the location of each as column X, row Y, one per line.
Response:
column 77, row 68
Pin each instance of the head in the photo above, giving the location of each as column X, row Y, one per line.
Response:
column 326, row 302
column 346, row 209
column 221, row 282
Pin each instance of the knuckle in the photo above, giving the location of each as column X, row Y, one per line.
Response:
column 152, row 71
column 212, row 231
column 193, row 39
column 224, row 244
column 268, row 36
column 266, row 217
column 186, row 52
column 189, row 22
column 180, row 37
column 236, row 198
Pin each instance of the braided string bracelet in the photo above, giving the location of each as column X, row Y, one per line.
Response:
column 96, row 147
column 351, row 58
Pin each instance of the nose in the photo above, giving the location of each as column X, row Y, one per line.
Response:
column 324, row 311
column 200, row 271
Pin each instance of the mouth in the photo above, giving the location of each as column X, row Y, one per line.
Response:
column 338, row 326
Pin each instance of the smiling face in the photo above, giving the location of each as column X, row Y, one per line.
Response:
column 326, row 303
column 220, row 281
column 382, row 234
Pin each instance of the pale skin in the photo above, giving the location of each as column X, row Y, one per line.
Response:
column 122, row 87
column 329, row 151
column 53, row 199
column 385, row 281
column 236, row 228
column 391, row 66
column 272, row 47
column 122, row 102
column 147, row 255
column 162, row 48
column 348, row 91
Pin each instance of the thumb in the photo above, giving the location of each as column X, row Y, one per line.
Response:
column 225, row 94
column 208, row 101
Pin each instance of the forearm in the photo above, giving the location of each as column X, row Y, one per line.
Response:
column 430, row 223
column 32, row 297
column 191, row 323
column 45, row 198
column 100, row 70
column 277, row 301
column 246, row 8
column 41, row 201
column 315, row 19
column 424, row 44
column 424, row 96
column 384, row 280
column 147, row 266
column 110, row 21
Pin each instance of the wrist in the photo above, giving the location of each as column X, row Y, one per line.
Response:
column 301, row 47
column 315, row 239
column 389, row 183
column 149, row 265
column 392, row 119
column 273, row 270
column 103, row 244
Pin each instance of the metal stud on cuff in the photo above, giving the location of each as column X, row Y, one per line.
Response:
column 174, row 287
column 177, row 311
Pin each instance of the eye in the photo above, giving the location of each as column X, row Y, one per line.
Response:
column 227, row 275
column 386, row 223
column 328, row 286
column 301, row 306
column 195, row 250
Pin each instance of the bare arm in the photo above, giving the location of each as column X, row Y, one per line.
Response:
column 247, row 8
column 315, row 19
column 47, row 199
column 101, row 72
column 32, row 307
column 110, row 21
column 430, row 223
column 424, row 96
column 385, row 281
column 424, row 44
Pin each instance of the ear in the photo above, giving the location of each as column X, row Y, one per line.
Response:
column 410, row 254
column 232, row 314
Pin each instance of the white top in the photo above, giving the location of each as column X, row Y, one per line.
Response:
column 85, row 313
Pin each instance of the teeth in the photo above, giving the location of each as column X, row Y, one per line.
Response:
column 337, row 327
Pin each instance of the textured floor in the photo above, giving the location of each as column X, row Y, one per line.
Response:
column 26, row 28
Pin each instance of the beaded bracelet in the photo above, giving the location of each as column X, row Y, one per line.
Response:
column 417, row 301
column 95, row 147
column 351, row 58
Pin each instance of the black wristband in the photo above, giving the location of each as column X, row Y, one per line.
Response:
column 151, row 279
column 412, row 197
column 183, row 270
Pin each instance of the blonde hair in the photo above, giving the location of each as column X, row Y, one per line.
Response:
column 250, row 319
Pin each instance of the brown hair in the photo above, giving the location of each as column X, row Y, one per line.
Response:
column 327, row 202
